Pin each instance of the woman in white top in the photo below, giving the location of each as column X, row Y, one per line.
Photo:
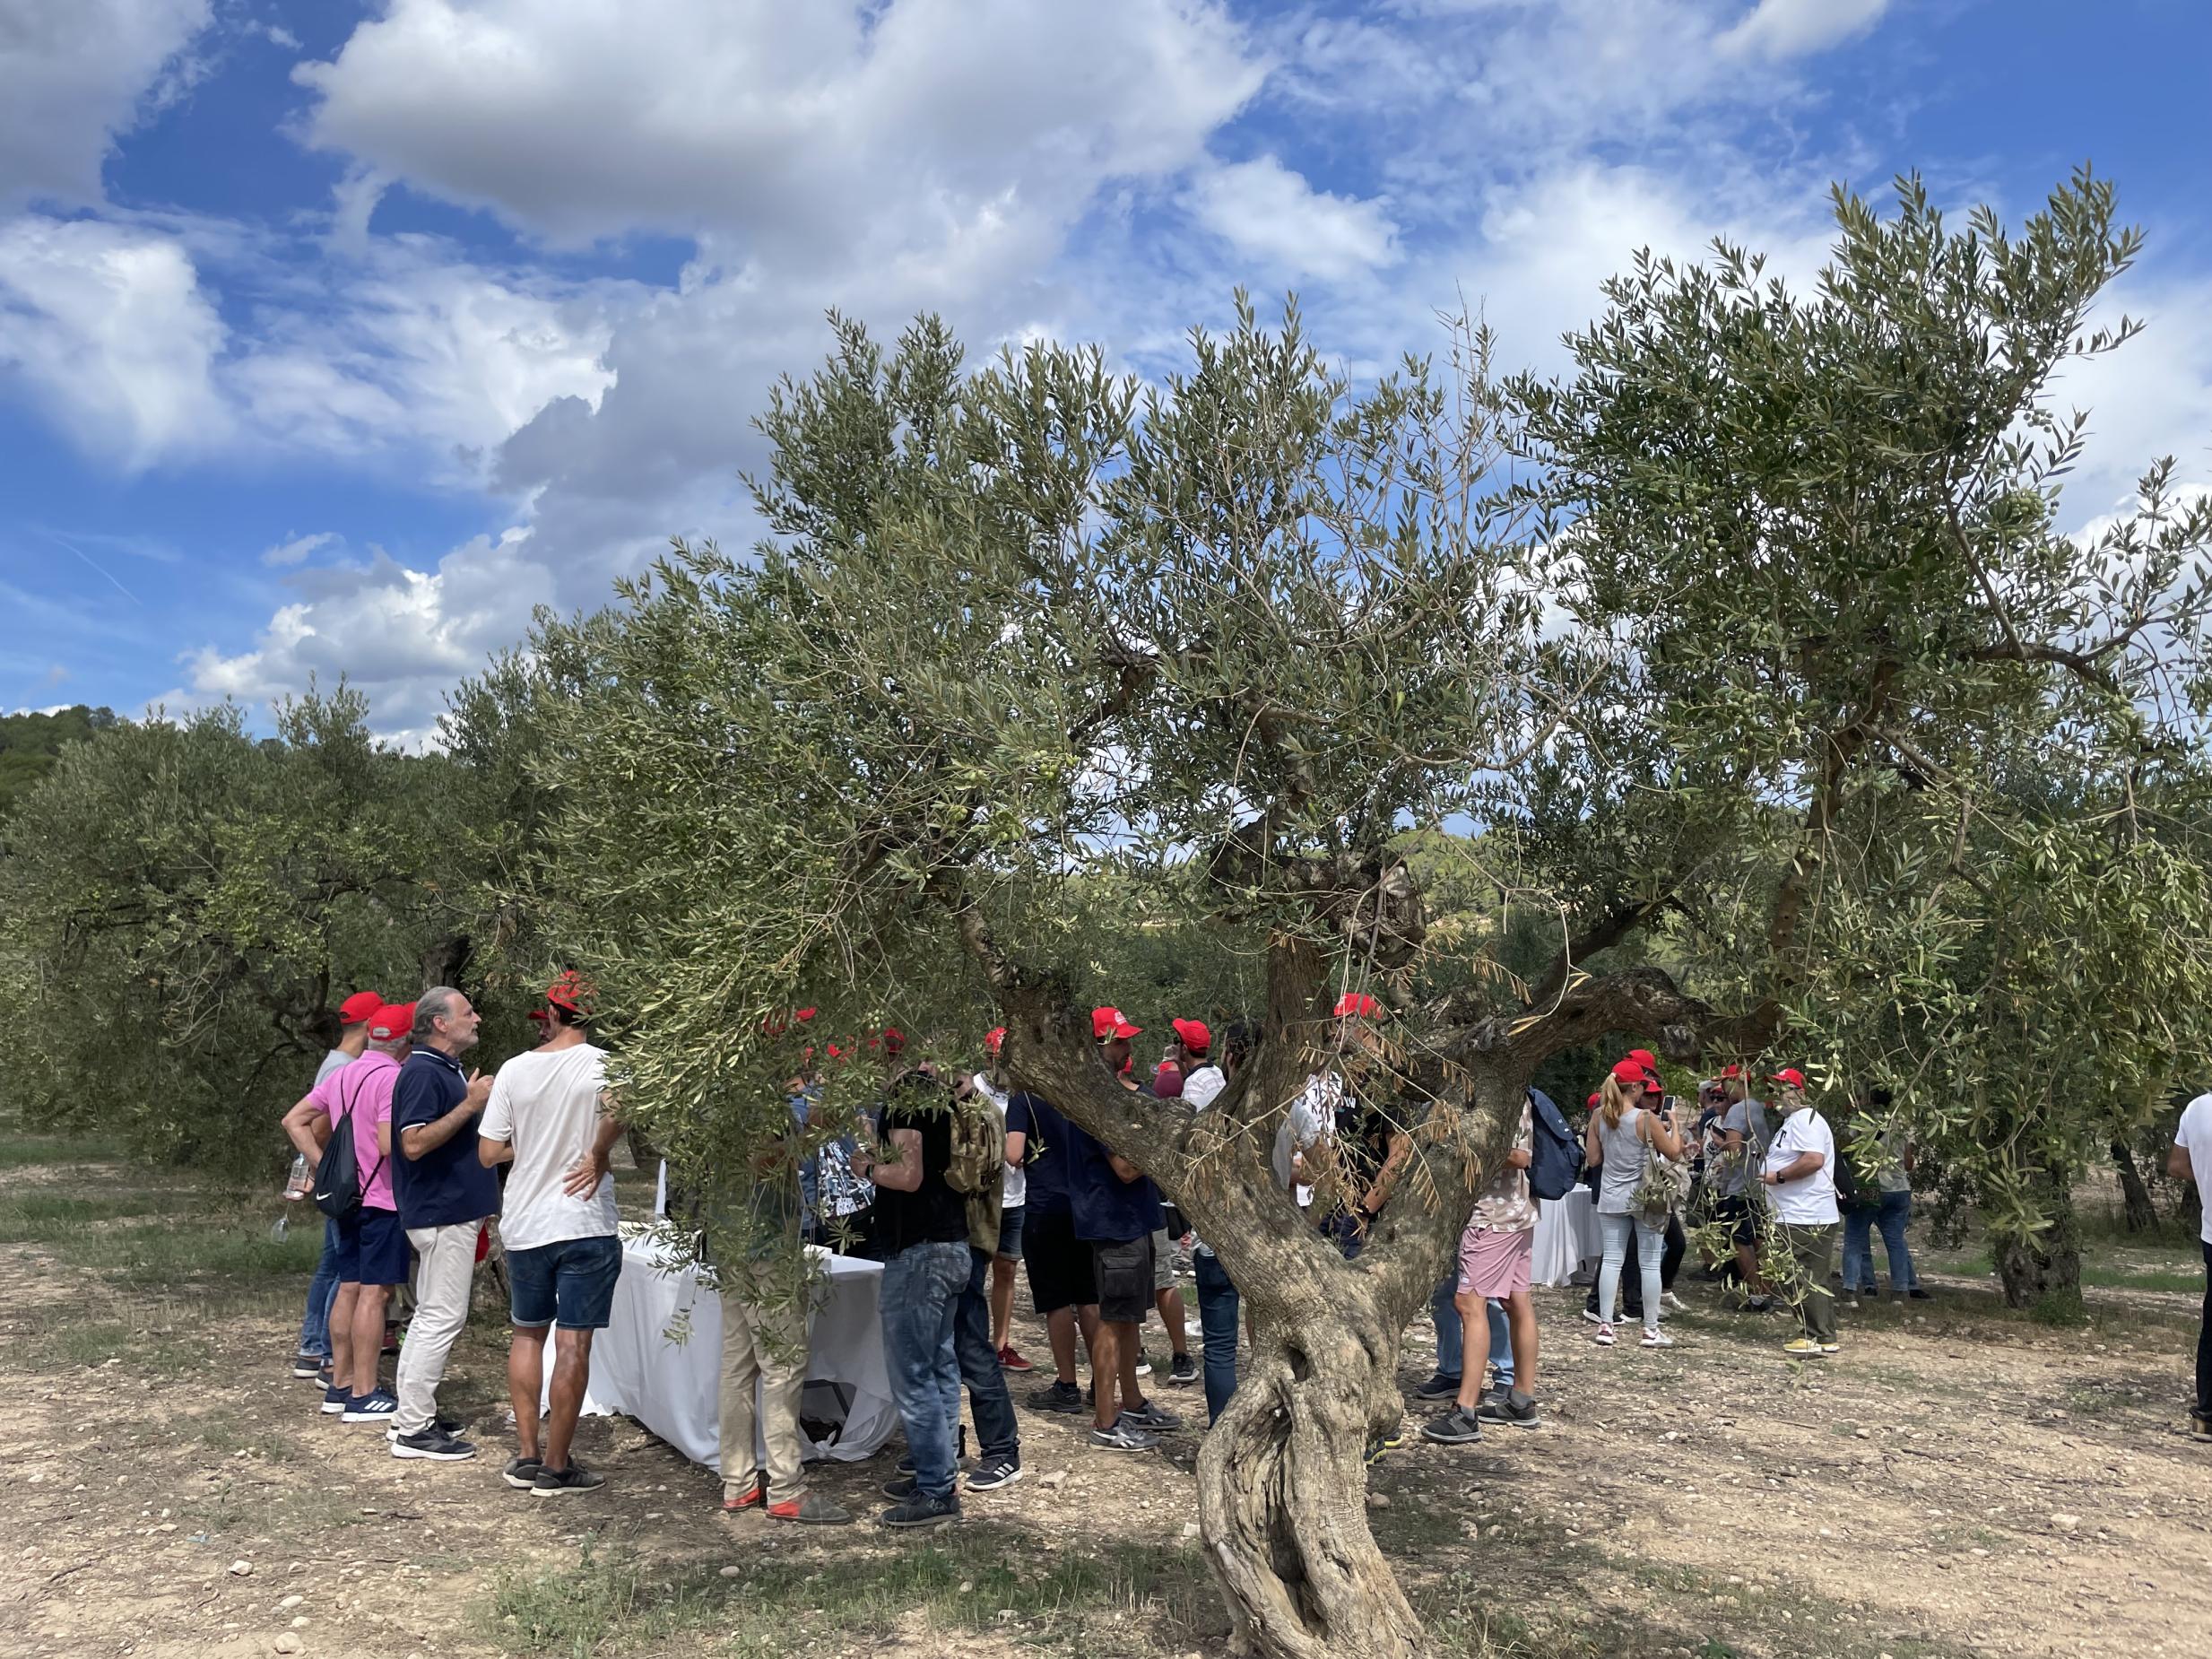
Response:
column 1621, row 1136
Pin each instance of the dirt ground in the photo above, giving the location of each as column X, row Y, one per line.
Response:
column 1956, row 1482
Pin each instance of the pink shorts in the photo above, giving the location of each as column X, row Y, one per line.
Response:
column 1494, row 1262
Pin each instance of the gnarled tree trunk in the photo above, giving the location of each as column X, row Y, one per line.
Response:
column 2043, row 1274
column 2138, row 1212
column 1282, row 1483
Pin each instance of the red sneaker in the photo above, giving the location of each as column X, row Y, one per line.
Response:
column 1008, row 1360
column 751, row 1497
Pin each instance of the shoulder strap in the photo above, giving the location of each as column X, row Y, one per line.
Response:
column 349, row 1113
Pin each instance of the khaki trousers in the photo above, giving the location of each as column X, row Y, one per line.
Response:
column 444, row 1269
column 762, row 1347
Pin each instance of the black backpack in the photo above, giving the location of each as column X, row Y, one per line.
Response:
column 338, row 1183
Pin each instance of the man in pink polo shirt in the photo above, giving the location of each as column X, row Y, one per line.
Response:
column 372, row 1245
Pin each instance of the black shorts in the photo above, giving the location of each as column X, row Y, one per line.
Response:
column 1744, row 1217
column 1058, row 1262
column 1124, row 1275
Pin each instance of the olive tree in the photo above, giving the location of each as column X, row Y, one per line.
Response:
column 186, row 905
column 1782, row 581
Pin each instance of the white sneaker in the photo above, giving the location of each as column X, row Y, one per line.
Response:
column 1595, row 1318
column 1669, row 1299
column 1656, row 1338
column 1144, row 1367
column 1604, row 1338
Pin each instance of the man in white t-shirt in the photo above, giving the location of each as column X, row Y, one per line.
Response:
column 1799, row 1176
column 549, row 1115
column 2191, row 1160
column 1013, row 1211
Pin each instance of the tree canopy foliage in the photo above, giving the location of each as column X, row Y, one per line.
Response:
column 1739, row 689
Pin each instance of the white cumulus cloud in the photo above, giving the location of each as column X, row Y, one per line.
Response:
column 1271, row 215
column 73, row 73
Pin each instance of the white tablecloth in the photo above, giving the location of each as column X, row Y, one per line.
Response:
column 1566, row 1237
column 673, row 1387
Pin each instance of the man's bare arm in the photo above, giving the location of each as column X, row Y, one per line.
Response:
column 308, row 1127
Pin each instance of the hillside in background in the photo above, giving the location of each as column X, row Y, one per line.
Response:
column 29, row 743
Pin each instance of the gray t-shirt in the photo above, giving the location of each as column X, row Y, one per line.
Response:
column 336, row 1060
column 1748, row 1119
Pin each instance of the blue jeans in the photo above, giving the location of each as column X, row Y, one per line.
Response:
column 921, row 1294
column 1895, row 1211
column 1219, row 1309
column 979, row 1364
column 1651, row 1246
column 1451, row 1334
column 321, row 1290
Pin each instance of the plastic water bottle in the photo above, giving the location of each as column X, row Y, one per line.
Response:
column 297, row 1186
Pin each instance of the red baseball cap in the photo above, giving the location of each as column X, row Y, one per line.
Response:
column 1195, row 1035
column 994, row 1039
column 1629, row 1072
column 1358, row 1005
column 1649, row 1059
column 1731, row 1072
column 359, row 1006
column 1107, row 1023
column 573, row 992
column 1593, row 1100
column 1791, row 1075
column 393, row 1019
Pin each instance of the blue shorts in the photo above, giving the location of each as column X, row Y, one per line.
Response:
column 571, row 1280
column 1010, row 1232
column 372, row 1248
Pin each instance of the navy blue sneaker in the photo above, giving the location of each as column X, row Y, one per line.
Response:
column 374, row 1407
column 335, row 1400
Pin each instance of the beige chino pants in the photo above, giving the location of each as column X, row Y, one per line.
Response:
column 444, row 1270
column 763, row 1348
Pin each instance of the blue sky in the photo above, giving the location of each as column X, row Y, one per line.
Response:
column 334, row 338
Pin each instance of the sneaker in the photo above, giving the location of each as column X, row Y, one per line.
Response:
column 305, row 1366
column 1831, row 1348
column 1656, row 1338
column 1454, row 1427
column 1147, row 1414
column 441, row 1422
column 322, row 1375
column 1389, row 1441
column 920, row 1511
column 905, row 1487
column 393, row 1337
column 335, row 1400
column 1011, row 1359
column 754, row 1493
column 556, row 1482
column 374, row 1407
column 1123, row 1436
column 1593, row 1316
column 1803, row 1348
column 1144, row 1366
column 1496, row 1391
column 434, row 1444
column 1672, row 1303
column 522, row 1473
column 1438, row 1387
column 1059, row 1398
column 1919, row 1295
column 811, row 1510
column 1759, row 1304
column 2200, row 1424
column 995, row 1472
column 1503, row 1410
column 1182, row 1372
column 1604, row 1338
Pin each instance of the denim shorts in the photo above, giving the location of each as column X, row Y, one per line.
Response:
column 571, row 1280
column 1010, row 1232
column 372, row 1248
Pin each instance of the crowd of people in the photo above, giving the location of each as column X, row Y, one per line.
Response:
column 957, row 1181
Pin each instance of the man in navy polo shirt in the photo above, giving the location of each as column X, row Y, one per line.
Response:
column 444, row 1193
column 1118, row 1209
